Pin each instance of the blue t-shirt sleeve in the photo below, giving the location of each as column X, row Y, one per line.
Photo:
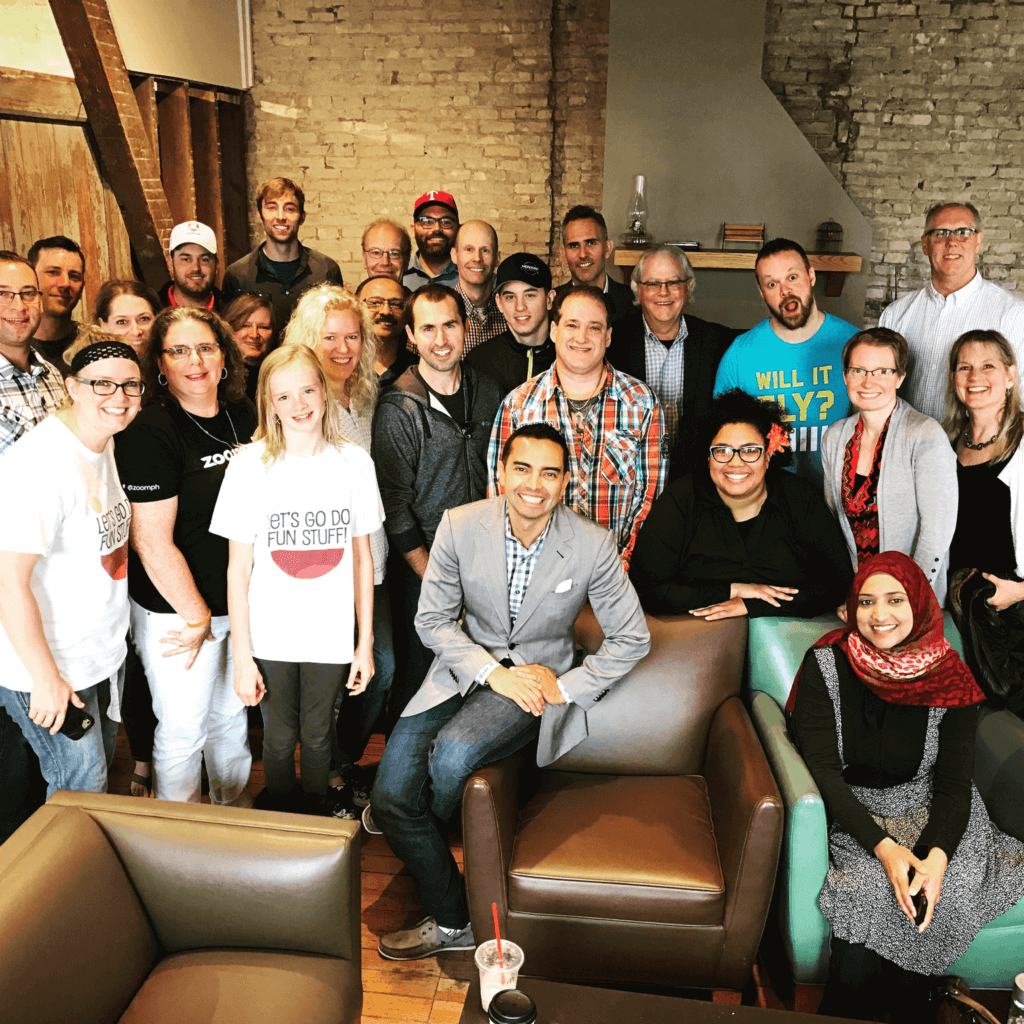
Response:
column 727, row 376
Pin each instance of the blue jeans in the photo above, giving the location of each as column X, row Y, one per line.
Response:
column 426, row 762
column 79, row 765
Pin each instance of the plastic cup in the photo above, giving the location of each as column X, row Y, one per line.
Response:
column 493, row 977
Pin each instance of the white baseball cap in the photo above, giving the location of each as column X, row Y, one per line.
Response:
column 192, row 231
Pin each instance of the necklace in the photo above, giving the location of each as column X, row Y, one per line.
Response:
column 219, row 440
column 579, row 408
column 983, row 445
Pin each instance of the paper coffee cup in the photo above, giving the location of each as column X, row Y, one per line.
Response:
column 494, row 977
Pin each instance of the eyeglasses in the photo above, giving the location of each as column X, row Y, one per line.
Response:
column 858, row 372
column 180, row 352
column 393, row 255
column 429, row 222
column 943, row 233
column 373, row 305
column 674, row 285
column 27, row 295
column 104, row 388
column 748, row 452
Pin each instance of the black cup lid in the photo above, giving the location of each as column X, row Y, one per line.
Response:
column 512, row 1007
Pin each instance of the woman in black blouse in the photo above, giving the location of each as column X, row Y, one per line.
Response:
column 746, row 537
column 884, row 713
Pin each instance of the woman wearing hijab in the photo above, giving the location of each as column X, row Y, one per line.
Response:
column 885, row 712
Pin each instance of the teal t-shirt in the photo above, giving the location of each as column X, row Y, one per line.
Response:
column 806, row 379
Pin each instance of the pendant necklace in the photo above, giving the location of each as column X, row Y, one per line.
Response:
column 213, row 437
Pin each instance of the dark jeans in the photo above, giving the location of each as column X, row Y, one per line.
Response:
column 861, row 982
column 356, row 723
column 425, row 765
column 22, row 786
column 298, row 707
column 137, row 707
column 412, row 659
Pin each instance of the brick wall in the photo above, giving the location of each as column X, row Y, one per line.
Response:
column 369, row 103
column 909, row 103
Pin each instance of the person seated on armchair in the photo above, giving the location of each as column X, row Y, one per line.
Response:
column 506, row 581
column 884, row 712
column 743, row 538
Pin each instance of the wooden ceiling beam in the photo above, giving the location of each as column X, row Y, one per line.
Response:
column 29, row 94
column 129, row 162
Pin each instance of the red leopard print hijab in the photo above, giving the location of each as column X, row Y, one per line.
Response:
column 924, row 669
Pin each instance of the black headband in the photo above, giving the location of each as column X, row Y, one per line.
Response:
column 102, row 350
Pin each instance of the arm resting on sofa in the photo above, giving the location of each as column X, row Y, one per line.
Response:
column 746, row 811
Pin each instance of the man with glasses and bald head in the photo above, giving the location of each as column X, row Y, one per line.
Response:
column 387, row 249
column 955, row 300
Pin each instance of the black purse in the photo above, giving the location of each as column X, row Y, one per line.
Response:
column 993, row 640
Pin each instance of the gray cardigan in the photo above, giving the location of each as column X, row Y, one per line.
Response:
column 917, row 489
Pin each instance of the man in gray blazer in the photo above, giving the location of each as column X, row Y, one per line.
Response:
column 506, row 580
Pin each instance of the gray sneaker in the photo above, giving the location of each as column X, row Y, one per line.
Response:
column 426, row 939
column 369, row 824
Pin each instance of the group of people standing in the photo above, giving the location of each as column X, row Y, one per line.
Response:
column 271, row 474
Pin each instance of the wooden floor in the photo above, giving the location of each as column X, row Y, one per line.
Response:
column 433, row 991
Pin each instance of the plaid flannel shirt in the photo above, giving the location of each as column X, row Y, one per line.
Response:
column 482, row 322
column 27, row 397
column 616, row 462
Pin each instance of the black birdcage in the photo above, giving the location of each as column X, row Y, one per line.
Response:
column 830, row 237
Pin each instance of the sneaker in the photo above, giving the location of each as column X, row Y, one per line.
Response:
column 425, row 939
column 369, row 824
column 360, row 782
column 338, row 804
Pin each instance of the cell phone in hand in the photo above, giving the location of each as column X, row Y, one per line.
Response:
column 77, row 722
column 920, row 901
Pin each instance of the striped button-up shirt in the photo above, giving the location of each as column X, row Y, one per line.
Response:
column 27, row 397
column 931, row 322
column 665, row 376
column 482, row 322
column 618, row 458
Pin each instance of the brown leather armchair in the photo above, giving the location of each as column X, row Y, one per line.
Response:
column 115, row 909
column 647, row 855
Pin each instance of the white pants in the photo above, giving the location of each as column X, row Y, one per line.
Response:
column 198, row 712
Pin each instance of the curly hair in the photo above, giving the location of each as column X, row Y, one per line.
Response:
column 736, row 406
column 231, row 389
column 958, row 419
column 306, row 327
column 268, row 428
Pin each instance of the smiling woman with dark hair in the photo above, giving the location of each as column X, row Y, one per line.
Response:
column 744, row 537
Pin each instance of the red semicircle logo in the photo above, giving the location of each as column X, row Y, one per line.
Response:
column 307, row 565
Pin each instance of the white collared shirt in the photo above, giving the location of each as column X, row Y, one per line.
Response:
column 931, row 323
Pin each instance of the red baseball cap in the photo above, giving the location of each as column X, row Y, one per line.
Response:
column 435, row 199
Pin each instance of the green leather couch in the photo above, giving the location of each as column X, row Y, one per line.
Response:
column 775, row 649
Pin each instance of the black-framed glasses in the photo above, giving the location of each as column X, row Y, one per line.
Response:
column 429, row 222
column 395, row 305
column 27, row 295
column 748, row 452
column 859, row 373
column 393, row 255
column 105, row 388
column 942, row 233
column 675, row 285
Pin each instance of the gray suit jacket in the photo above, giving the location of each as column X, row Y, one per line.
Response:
column 467, row 577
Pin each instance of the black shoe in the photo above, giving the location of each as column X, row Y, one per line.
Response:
column 338, row 804
column 360, row 783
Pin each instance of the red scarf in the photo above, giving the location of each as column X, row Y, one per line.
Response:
column 924, row 669
column 861, row 505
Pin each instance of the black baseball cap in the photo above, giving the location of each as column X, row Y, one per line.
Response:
column 525, row 267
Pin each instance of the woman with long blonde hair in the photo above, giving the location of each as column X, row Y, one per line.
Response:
column 297, row 506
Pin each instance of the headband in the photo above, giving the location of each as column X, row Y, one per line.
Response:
column 102, row 350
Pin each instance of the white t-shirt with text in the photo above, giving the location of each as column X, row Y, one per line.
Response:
column 300, row 515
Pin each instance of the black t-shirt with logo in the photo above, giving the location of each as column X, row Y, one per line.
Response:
column 169, row 453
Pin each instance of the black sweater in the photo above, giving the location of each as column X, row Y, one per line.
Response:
column 883, row 744
column 509, row 362
column 690, row 549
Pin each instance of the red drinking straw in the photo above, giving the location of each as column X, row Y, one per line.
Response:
column 497, row 934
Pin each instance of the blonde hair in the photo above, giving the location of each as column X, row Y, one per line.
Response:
column 306, row 327
column 88, row 334
column 268, row 429
column 1011, row 426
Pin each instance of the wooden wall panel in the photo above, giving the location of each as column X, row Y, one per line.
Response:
column 176, row 152
column 233, row 187
column 206, row 156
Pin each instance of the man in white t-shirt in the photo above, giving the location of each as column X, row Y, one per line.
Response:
column 957, row 299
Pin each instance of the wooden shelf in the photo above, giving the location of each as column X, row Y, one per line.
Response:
column 836, row 265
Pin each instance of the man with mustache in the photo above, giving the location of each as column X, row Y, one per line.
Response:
column 794, row 357
column 192, row 264
column 957, row 299
column 435, row 221
column 60, row 269
column 475, row 256
column 387, row 300
column 281, row 268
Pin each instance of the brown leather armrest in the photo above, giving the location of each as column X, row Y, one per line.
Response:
column 490, row 816
column 746, row 810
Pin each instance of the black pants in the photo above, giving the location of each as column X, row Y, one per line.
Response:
column 137, row 707
column 862, row 983
column 412, row 659
column 22, row 786
column 298, row 707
